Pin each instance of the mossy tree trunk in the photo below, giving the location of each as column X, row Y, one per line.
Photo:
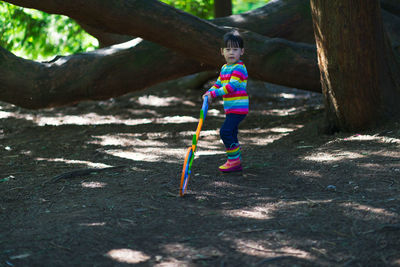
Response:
column 359, row 73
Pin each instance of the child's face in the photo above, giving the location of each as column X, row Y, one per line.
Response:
column 232, row 54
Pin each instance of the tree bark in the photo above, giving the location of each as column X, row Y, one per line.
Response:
column 105, row 38
column 359, row 74
column 97, row 75
column 222, row 8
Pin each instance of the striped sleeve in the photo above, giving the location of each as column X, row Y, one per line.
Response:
column 237, row 80
column 217, row 85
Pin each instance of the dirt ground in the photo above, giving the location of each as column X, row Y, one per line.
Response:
column 303, row 199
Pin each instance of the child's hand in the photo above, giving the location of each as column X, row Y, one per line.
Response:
column 209, row 97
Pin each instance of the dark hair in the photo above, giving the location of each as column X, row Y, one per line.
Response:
column 232, row 39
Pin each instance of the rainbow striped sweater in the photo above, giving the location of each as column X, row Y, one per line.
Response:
column 231, row 85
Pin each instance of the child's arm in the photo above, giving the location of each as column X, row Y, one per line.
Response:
column 238, row 77
column 216, row 86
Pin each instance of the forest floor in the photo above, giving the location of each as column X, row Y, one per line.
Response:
column 303, row 199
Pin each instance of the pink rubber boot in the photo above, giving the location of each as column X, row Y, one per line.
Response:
column 231, row 166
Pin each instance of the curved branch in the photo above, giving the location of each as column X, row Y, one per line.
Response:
column 97, row 75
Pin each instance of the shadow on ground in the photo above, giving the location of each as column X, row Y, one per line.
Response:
column 304, row 199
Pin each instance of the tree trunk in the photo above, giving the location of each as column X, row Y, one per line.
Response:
column 222, row 8
column 359, row 75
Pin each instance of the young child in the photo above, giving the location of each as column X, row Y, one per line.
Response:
column 231, row 85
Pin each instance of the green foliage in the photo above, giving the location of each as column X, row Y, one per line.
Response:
column 201, row 8
column 205, row 8
column 37, row 35
column 240, row 6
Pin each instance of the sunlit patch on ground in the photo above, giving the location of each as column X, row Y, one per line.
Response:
column 6, row 114
column 94, row 184
column 136, row 156
column 125, row 255
column 396, row 262
column 149, row 154
column 253, row 248
column 142, row 112
column 312, row 174
column 93, row 224
column 224, row 184
column 176, row 119
column 214, row 112
column 125, row 141
column 287, row 129
column 303, row 202
column 20, row 256
column 259, row 213
column 84, row 119
column 155, row 101
column 146, row 148
column 333, row 156
column 382, row 139
column 262, row 137
column 374, row 212
column 94, row 119
column 280, row 112
column 292, row 96
column 201, row 152
column 75, row 162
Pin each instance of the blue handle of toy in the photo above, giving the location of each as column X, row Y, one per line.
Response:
column 204, row 108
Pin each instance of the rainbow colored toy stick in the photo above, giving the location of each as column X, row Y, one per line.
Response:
column 187, row 164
